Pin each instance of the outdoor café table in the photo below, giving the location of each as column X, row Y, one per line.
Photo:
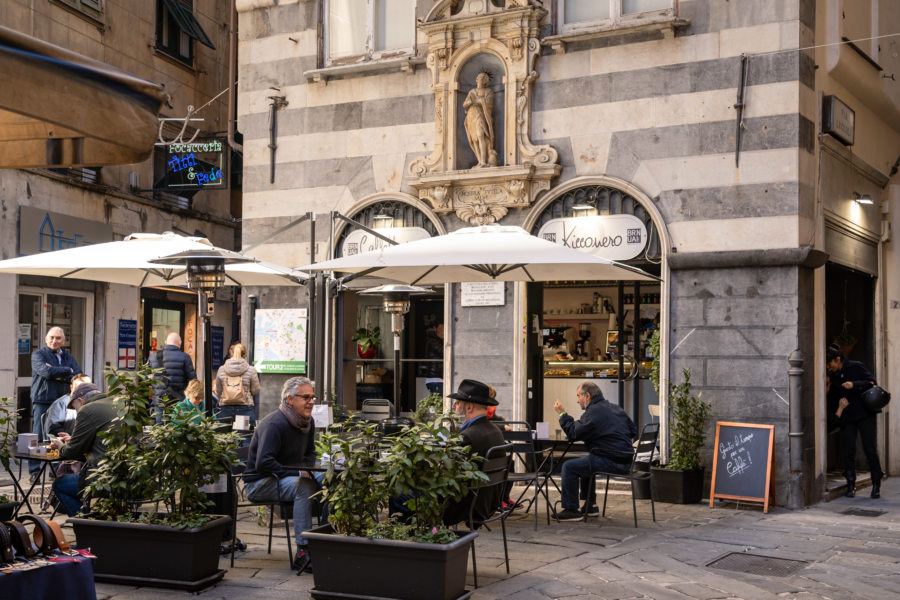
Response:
column 68, row 577
column 17, row 487
column 570, row 449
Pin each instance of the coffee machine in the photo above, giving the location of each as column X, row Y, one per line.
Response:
column 583, row 345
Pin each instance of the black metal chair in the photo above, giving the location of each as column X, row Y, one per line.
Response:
column 534, row 463
column 646, row 445
column 236, row 477
column 487, row 500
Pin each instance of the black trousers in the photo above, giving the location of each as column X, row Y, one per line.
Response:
column 867, row 431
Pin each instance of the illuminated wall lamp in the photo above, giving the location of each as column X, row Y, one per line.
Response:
column 382, row 221
column 583, row 210
column 864, row 199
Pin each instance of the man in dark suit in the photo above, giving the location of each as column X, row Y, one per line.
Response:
column 52, row 369
column 848, row 379
column 471, row 402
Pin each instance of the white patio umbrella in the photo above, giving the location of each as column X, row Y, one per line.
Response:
column 129, row 262
column 486, row 253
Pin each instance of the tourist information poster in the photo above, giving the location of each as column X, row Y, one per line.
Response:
column 280, row 340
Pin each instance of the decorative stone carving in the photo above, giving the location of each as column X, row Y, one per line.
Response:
column 457, row 32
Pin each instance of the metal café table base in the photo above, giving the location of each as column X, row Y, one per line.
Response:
column 17, row 486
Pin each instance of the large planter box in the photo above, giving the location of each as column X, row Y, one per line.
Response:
column 153, row 555
column 676, row 486
column 352, row 567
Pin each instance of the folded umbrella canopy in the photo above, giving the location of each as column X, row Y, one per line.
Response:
column 62, row 109
column 129, row 262
column 486, row 253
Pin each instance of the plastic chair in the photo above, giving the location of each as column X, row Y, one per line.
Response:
column 535, row 464
column 236, row 476
column 646, row 444
column 487, row 500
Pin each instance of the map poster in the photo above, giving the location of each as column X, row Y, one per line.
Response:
column 280, row 340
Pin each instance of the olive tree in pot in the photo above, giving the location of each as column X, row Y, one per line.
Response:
column 164, row 466
column 357, row 556
column 7, row 439
column 680, row 481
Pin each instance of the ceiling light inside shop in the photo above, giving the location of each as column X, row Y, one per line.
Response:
column 863, row 199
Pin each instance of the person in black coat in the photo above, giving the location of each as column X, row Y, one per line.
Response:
column 179, row 368
column 608, row 432
column 471, row 402
column 848, row 379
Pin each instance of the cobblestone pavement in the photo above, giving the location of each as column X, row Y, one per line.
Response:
column 840, row 556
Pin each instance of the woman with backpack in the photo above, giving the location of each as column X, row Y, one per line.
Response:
column 236, row 384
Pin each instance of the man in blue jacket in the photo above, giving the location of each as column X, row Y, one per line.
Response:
column 52, row 369
column 179, row 368
column 608, row 433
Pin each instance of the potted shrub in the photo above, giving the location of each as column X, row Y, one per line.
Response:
column 680, row 481
column 367, row 341
column 358, row 556
column 164, row 464
column 7, row 439
column 845, row 340
column 429, row 407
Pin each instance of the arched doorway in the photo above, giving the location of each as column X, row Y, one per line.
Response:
column 598, row 330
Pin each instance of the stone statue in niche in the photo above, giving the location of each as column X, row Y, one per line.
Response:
column 479, row 107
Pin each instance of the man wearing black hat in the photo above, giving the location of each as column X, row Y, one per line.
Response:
column 471, row 402
column 847, row 380
column 94, row 416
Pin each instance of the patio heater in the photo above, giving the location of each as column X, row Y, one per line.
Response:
column 396, row 303
column 205, row 270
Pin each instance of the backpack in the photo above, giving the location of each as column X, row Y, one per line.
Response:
column 233, row 390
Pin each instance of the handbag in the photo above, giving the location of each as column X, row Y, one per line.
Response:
column 875, row 398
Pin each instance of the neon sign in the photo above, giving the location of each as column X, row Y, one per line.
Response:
column 196, row 165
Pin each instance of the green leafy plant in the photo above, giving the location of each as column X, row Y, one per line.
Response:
column 8, row 416
column 163, row 463
column 653, row 345
column 427, row 459
column 688, row 418
column 366, row 338
column 429, row 407
column 845, row 338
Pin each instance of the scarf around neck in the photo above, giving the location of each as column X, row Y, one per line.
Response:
column 296, row 421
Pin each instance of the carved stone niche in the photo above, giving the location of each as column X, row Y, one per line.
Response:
column 482, row 56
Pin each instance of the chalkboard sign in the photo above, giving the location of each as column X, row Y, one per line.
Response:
column 742, row 467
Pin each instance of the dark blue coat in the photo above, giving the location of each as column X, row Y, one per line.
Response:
column 179, row 368
column 604, row 428
column 862, row 379
column 50, row 377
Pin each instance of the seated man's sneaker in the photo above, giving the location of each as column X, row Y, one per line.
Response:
column 593, row 511
column 302, row 561
column 568, row 514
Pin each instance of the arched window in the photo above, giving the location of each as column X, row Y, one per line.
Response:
column 387, row 213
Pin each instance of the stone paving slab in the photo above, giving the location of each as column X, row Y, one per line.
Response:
column 849, row 557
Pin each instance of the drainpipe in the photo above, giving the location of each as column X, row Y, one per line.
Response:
column 232, row 78
column 795, row 376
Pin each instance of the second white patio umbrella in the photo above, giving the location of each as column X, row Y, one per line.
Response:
column 486, row 253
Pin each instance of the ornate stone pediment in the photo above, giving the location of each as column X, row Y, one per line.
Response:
column 482, row 60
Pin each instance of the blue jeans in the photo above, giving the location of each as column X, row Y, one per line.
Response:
column 287, row 489
column 37, row 426
column 578, row 471
column 66, row 490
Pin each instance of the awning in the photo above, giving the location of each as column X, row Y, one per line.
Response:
column 62, row 109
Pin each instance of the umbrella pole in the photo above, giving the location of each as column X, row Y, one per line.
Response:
column 203, row 310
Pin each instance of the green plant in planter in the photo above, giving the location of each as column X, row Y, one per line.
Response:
column 688, row 419
column 165, row 463
column 427, row 459
column 845, row 338
column 8, row 416
column 653, row 344
column 429, row 407
column 367, row 338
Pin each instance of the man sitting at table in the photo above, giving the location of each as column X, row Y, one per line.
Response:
column 95, row 414
column 62, row 413
column 284, row 440
column 608, row 433
column 471, row 402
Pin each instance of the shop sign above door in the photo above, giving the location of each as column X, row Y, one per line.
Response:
column 360, row 240
column 616, row 237
column 195, row 166
column 45, row 231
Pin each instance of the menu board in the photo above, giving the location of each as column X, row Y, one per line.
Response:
column 742, row 466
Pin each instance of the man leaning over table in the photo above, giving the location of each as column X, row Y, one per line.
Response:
column 283, row 441
column 52, row 369
column 608, row 433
